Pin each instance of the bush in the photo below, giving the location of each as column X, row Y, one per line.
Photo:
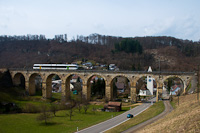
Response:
column 30, row 108
column 9, row 108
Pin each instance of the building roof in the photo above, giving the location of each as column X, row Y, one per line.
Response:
column 75, row 77
column 111, row 107
column 173, row 88
column 114, row 103
column 149, row 70
column 94, row 77
column 144, row 87
column 120, row 85
column 121, row 79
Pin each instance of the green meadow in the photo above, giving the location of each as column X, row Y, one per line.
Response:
column 27, row 123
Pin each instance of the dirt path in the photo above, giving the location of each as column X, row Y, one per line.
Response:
column 168, row 109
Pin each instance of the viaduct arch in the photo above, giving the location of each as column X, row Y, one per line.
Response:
column 108, row 77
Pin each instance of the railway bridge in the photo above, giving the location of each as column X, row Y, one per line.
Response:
column 86, row 75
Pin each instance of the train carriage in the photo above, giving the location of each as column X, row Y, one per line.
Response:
column 56, row 66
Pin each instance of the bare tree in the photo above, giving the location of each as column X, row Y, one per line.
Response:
column 54, row 109
column 79, row 106
column 44, row 115
column 85, row 105
column 71, row 106
column 79, row 101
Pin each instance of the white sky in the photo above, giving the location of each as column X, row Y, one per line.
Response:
column 127, row 18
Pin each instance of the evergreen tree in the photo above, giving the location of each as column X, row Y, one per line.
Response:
column 129, row 46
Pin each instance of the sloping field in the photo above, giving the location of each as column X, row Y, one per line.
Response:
column 184, row 118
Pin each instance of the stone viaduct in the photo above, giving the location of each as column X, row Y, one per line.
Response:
column 108, row 76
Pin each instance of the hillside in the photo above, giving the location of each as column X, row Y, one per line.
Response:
column 173, row 54
column 184, row 118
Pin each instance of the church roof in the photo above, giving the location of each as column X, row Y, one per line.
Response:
column 149, row 70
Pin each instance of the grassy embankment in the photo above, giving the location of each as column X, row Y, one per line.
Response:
column 184, row 118
column 26, row 122
column 154, row 110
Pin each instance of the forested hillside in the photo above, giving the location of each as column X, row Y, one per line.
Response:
column 127, row 53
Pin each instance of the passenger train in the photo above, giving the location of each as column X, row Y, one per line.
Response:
column 56, row 66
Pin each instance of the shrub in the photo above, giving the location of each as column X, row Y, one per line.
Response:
column 30, row 108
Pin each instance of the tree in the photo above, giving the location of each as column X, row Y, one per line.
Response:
column 44, row 115
column 56, row 77
column 139, row 67
column 170, row 83
column 129, row 46
column 93, row 88
column 133, row 67
column 114, row 88
column 5, row 80
column 54, row 108
column 97, row 87
column 85, row 105
column 100, row 87
column 71, row 106
column 79, row 106
column 78, row 102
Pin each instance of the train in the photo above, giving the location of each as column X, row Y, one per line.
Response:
column 56, row 66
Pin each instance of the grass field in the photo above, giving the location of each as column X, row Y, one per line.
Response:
column 27, row 123
column 23, row 123
column 154, row 110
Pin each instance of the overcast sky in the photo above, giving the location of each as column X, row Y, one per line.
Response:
column 126, row 18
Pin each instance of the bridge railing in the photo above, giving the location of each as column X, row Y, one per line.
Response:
column 106, row 71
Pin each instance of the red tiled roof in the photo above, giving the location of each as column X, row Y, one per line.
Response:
column 174, row 87
column 114, row 103
column 93, row 77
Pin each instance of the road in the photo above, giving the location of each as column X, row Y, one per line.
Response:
column 168, row 109
column 165, row 94
column 106, row 125
column 193, row 84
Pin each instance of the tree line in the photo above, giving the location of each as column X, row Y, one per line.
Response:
column 129, row 46
column 127, row 53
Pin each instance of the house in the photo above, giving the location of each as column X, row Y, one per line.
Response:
column 120, row 87
column 144, row 91
column 75, row 78
column 112, row 67
column 123, row 86
column 174, row 90
column 94, row 78
column 113, row 106
column 88, row 65
column 56, row 86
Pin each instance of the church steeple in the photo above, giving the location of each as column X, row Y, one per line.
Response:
column 149, row 70
column 150, row 82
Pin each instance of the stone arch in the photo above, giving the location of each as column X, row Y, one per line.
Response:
column 112, row 84
column 48, row 91
column 66, row 95
column 153, row 76
column 176, row 76
column 19, row 79
column 179, row 77
column 88, row 79
column 32, row 87
column 139, row 84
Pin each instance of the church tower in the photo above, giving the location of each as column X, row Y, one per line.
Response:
column 150, row 82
